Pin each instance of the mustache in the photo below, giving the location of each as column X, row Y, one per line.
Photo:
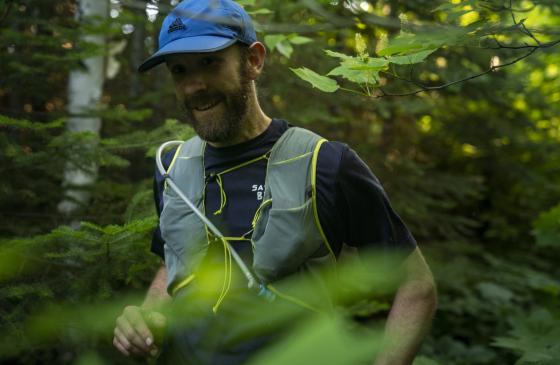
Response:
column 201, row 98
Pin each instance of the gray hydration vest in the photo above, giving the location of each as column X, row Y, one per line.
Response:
column 287, row 233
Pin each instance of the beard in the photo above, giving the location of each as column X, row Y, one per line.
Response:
column 222, row 125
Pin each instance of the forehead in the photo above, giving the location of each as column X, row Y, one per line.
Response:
column 227, row 53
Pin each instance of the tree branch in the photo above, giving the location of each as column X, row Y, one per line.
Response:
column 7, row 11
column 423, row 87
column 541, row 45
column 519, row 25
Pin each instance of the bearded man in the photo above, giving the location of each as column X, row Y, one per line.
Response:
column 286, row 200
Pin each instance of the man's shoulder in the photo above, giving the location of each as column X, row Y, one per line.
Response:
column 168, row 157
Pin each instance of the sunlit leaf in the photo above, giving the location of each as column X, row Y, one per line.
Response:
column 261, row 12
column 349, row 74
column 326, row 341
column 452, row 17
column 322, row 83
column 300, row 40
column 412, row 58
column 338, row 55
column 372, row 64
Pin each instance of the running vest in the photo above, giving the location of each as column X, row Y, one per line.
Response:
column 287, row 234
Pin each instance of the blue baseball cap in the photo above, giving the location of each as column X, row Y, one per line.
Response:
column 202, row 26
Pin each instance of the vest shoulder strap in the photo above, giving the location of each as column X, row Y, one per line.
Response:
column 294, row 143
column 192, row 147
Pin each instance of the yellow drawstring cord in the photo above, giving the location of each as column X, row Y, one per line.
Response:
column 227, row 275
column 227, row 252
column 258, row 212
column 223, row 197
column 294, row 300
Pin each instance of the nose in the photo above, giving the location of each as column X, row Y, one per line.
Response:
column 192, row 83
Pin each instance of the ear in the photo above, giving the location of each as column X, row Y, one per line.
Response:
column 255, row 61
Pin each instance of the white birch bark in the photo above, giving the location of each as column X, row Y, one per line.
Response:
column 84, row 93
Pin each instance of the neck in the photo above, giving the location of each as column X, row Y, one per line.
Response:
column 254, row 123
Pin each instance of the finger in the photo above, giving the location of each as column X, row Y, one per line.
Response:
column 123, row 343
column 157, row 323
column 136, row 319
column 126, row 343
column 120, row 347
column 131, row 335
column 154, row 352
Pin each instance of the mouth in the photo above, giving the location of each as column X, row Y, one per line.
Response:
column 207, row 106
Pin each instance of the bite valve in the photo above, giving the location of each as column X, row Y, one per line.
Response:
column 266, row 293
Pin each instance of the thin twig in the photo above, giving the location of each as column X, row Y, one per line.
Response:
column 354, row 91
column 439, row 87
column 541, row 45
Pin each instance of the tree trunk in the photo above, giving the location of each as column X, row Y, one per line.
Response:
column 136, row 57
column 84, row 93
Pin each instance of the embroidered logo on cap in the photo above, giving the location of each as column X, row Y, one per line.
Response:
column 176, row 25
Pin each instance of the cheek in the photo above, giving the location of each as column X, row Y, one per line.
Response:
column 178, row 93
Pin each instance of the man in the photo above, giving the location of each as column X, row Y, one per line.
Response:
column 283, row 197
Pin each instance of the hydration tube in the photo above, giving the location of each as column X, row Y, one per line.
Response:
column 252, row 282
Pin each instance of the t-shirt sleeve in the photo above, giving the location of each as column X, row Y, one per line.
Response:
column 369, row 220
column 157, row 240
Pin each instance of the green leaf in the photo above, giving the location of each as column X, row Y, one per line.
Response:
column 536, row 337
column 399, row 47
column 322, row 83
column 324, row 340
column 299, row 40
column 356, row 70
column 338, row 55
column 285, row 48
column 272, row 40
column 411, row 58
column 445, row 7
column 495, row 292
column 372, row 64
column 547, row 228
column 452, row 17
column 246, row 2
column 260, row 12
column 357, row 76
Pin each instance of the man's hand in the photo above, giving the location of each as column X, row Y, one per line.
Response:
column 139, row 331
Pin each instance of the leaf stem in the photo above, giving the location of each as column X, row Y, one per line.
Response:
column 354, row 91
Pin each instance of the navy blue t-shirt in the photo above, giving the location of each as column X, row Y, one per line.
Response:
column 352, row 205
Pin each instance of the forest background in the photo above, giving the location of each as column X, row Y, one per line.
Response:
column 469, row 155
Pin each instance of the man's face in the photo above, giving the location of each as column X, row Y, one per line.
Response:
column 213, row 90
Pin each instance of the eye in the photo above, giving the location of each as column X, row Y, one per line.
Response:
column 177, row 69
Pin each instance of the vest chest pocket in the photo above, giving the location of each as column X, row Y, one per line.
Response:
column 286, row 244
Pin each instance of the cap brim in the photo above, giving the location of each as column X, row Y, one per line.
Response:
column 199, row 44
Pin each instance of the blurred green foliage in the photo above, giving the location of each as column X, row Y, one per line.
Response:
column 472, row 168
